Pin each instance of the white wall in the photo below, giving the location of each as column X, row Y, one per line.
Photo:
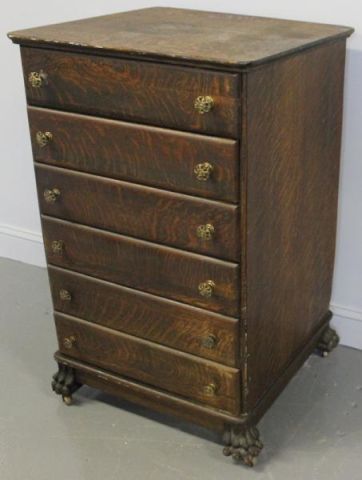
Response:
column 20, row 236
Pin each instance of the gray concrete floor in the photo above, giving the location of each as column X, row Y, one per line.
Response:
column 313, row 431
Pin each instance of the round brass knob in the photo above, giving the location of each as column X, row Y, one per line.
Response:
column 206, row 289
column 209, row 341
column 43, row 138
column 205, row 232
column 65, row 295
column 57, row 246
column 68, row 342
column 203, row 104
column 37, row 79
column 51, row 195
column 203, row 171
column 210, row 389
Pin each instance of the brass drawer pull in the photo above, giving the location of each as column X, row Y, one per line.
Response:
column 51, row 195
column 209, row 341
column 37, row 79
column 203, row 171
column 65, row 295
column 43, row 138
column 210, row 389
column 57, row 246
column 205, row 232
column 68, row 342
column 206, row 289
column 203, row 104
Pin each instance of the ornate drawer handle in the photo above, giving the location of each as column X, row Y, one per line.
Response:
column 57, row 246
column 68, row 342
column 65, row 295
column 206, row 289
column 37, row 79
column 51, row 195
column 209, row 341
column 203, row 104
column 205, row 232
column 203, row 171
column 43, row 138
column 210, row 389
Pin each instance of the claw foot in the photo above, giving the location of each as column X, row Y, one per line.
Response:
column 64, row 383
column 328, row 341
column 243, row 445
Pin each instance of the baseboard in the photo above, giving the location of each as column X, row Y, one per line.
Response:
column 348, row 323
column 22, row 245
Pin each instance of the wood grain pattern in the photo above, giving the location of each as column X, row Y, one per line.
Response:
column 143, row 212
column 153, row 364
column 141, row 92
column 294, row 129
column 139, row 153
column 143, row 315
column 142, row 265
column 179, row 35
column 150, row 397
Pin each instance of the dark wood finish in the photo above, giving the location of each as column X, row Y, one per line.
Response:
column 162, row 401
column 294, row 116
column 153, row 364
column 143, row 315
column 150, row 397
column 142, row 265
column 256, row 413
column 184, row 36
column 125, row 262
column 139, row 211
column 137, row 91
column 143, row 154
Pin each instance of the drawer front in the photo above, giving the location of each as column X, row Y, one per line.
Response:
column 148, row 155
column 138, row 91
column 195, row 224
column 176, row 372
column 145, row 266
column 159, row 320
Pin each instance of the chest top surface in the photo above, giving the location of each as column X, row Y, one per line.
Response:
column 185, row 35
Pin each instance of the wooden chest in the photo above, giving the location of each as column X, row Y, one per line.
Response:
column 187, row 170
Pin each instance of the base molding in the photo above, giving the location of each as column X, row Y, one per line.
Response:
column 240, row 435
column 188, row 410
column 149, row 397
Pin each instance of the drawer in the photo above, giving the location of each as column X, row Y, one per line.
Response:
column 174, row 371
column 145, row 266
column 139, row 91
column 159, row 320
column 139, row 153
column 191, row 223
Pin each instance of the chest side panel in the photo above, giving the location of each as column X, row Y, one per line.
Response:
column 294, row 111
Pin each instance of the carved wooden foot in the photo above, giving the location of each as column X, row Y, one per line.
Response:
column 64, row 383
column 328, row 341
column 243, row 445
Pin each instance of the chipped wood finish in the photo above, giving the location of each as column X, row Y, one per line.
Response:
column 154, row 318
column 147, row 213
column 185, row 36
column 153, row 364
column 139, row 153
column 164, row 271
column 138, row 91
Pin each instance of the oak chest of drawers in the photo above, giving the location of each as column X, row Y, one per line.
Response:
column 187, row 170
